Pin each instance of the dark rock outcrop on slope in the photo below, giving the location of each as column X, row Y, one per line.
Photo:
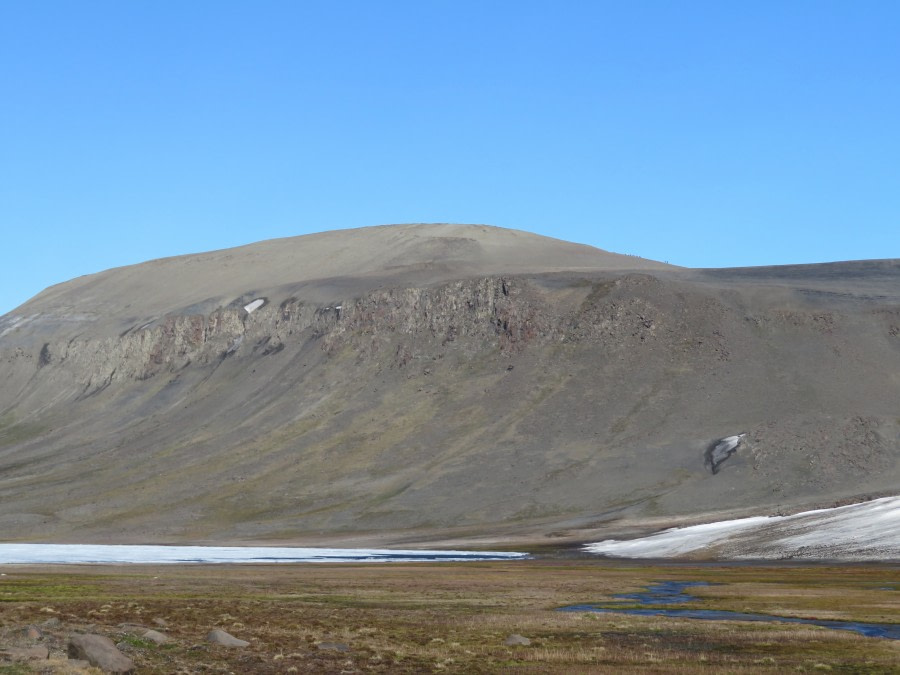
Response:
column 436, row 396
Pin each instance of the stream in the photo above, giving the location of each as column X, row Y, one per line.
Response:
column 673, row 593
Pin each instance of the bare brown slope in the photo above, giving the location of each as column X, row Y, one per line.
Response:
column 541, row 402
column 320, row 267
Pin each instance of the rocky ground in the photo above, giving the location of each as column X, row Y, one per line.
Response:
column 57, row 646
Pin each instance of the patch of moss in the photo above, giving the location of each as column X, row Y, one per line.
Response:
column 138, row 642
column 16, row 669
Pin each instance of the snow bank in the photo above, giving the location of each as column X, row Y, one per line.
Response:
column 865, row 531
column 674, row 542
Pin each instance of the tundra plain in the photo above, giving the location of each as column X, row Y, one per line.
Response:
column 454, row 617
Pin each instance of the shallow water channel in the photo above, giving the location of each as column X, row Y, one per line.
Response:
column 673, row 593
column 56, row 554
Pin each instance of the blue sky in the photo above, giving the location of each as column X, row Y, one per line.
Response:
column 702, row 133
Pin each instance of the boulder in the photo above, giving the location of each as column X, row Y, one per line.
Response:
column 156, row 636
column 100, row 652
column 33, row 632
column 220, row 637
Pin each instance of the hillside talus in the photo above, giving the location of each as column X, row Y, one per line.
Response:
column 546, row 404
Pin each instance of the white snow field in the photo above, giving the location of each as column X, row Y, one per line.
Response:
column 24, row 554
column 256, row 304
column 865, row 531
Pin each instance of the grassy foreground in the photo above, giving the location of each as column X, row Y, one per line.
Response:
column 455, row 617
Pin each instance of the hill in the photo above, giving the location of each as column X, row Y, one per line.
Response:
column 419, row 383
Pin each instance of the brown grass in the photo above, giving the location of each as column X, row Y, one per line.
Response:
column 454, row 618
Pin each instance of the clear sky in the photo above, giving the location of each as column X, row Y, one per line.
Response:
column 702, row 133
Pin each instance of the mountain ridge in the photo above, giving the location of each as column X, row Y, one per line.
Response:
column 379, row 255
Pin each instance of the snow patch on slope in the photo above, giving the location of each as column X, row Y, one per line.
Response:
column 256, row 304
column 864, row 531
